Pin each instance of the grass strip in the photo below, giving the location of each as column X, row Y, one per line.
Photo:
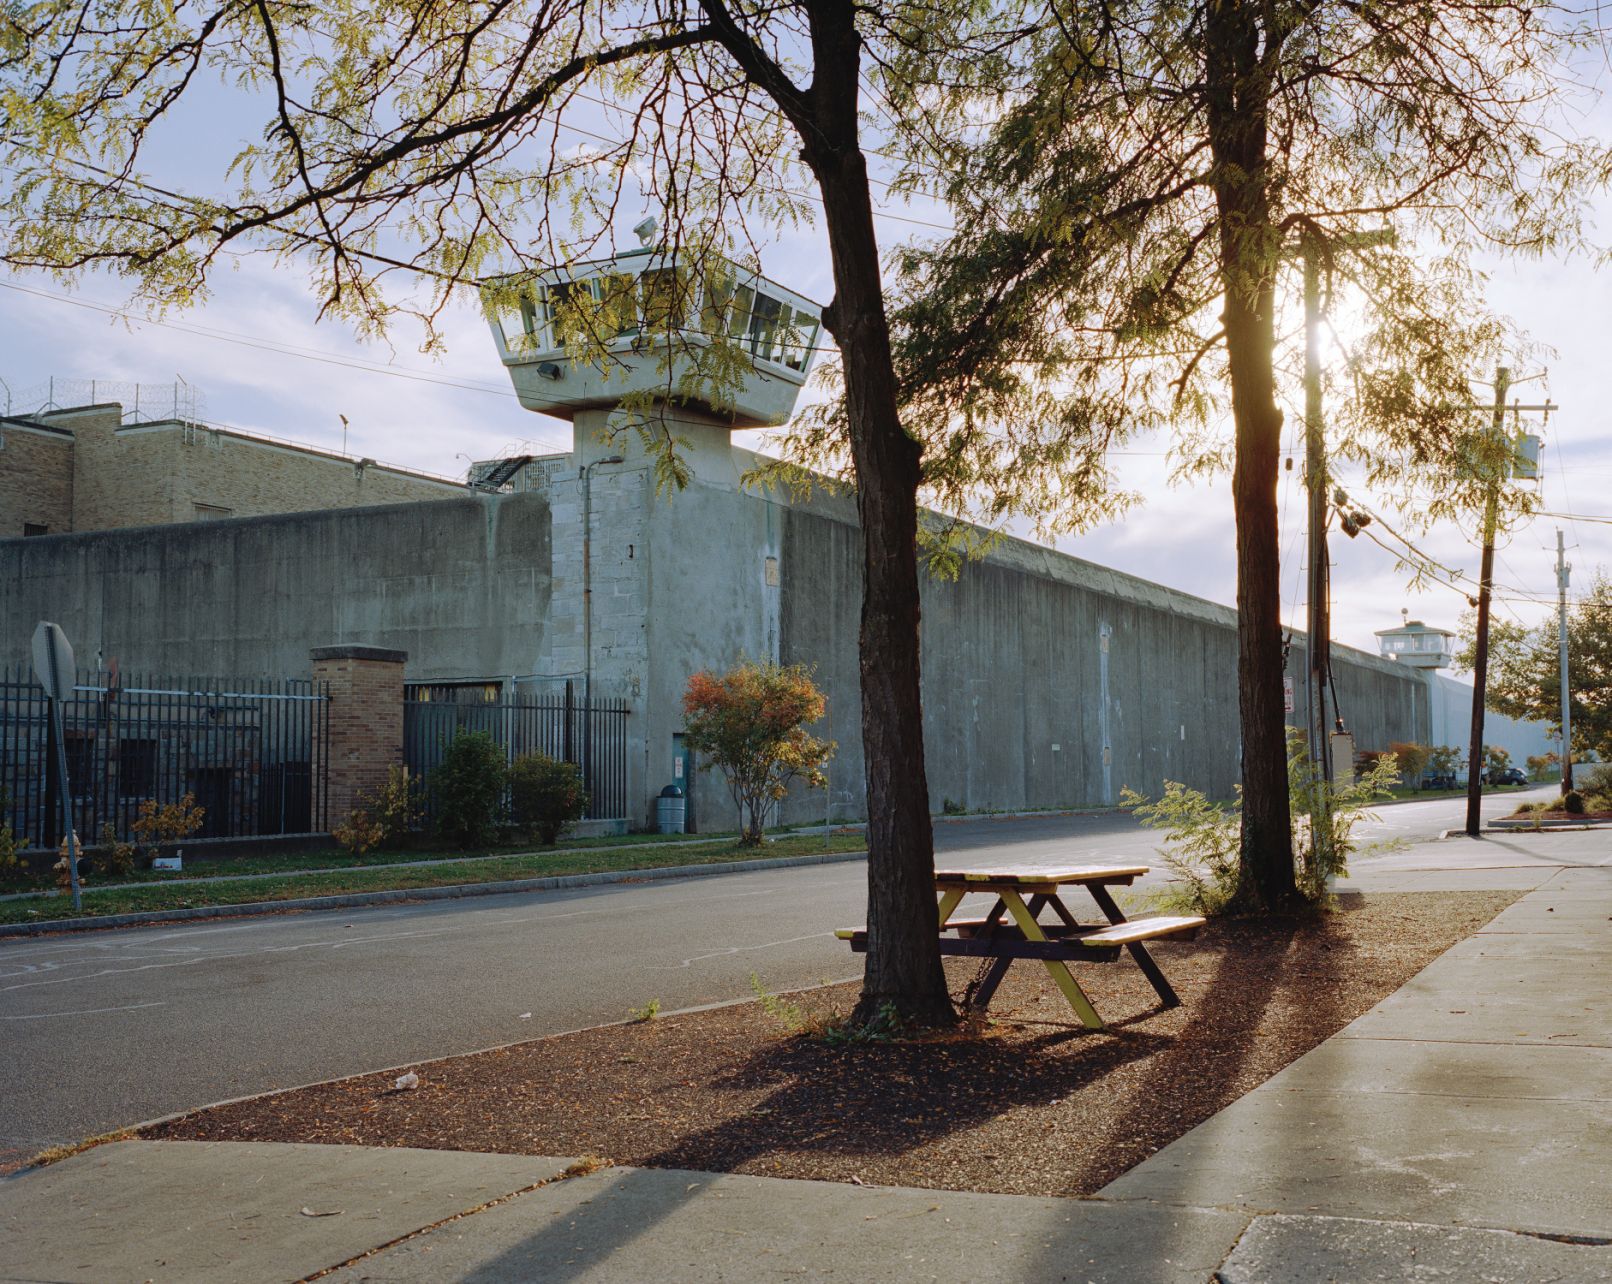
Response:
column 339, row 858
column 225, row 891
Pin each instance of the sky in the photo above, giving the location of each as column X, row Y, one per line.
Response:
column 260, row 361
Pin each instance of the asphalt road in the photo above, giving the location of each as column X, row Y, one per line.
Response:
column 106, row 1029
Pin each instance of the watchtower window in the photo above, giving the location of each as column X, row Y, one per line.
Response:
column 795, row 343
column 714, row 307
column 764, row 317
column 665, row 302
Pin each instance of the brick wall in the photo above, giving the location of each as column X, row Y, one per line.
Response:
column 36, row 477
column 84, row 470
column 119, row 479
column 250, row 478
column 366, row 720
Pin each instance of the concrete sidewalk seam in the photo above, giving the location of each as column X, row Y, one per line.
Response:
column 454, row 891
column 579, row 1169
column 1385, row 1219
column 1462, row 1043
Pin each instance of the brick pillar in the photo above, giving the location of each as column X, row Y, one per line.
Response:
column 366, row 720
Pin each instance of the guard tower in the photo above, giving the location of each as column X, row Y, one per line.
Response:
column 1418, row 645
column 643, row 592
column 650, row 321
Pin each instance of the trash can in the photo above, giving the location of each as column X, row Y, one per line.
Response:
column 670, row 810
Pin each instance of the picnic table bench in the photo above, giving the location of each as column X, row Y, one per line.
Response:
column 1012, row 929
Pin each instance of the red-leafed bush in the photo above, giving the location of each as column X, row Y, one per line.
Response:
column 751, row 722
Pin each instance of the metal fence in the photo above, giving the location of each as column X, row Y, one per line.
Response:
column 248, row 752
column 564, row 725
column 141, row 402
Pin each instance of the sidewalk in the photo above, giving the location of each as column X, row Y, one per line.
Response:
column 1462, row 1129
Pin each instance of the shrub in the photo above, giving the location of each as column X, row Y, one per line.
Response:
column 1204, row 836
column 1202, row 839
column 10, row 848
column 360, row 832
column 546, row 795
column 1594, row 780
column 751, row 722
column 1413, row 759
column 10, row 861
column 1541, row 765
column 116, row 857
column 1444, row 760
column 382, row 816
column 1325, row 815
column 1573, row 803
column 469, row 786
column 396, row 806
column 157, row 823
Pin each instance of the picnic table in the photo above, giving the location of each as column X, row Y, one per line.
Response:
column 1012, row 928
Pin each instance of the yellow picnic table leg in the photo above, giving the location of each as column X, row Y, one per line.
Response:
column 949, row 900
column 1057, row 967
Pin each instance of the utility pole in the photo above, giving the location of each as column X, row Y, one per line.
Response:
column 1313, row 248
column 1317, row 627
column 1480, row 664
column 1500, row 468
column 1563, row 570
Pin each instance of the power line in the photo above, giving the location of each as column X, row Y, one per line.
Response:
column 808, row 196
column 265, row 345
column 1598, row 518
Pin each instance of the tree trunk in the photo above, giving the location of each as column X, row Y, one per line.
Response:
column 1238, row 91
column 903, row 968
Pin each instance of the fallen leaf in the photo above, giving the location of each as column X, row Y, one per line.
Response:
column 322, row 1212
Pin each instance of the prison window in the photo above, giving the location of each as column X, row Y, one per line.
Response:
column 454, row 692
column 80, row 747
column 137, row 768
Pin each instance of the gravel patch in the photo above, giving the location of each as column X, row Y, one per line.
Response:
column 1029, row 1103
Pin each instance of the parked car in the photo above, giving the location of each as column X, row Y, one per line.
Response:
column 1439, row 780
column 1508, row 776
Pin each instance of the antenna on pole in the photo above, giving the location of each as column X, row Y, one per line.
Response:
column 343, row 419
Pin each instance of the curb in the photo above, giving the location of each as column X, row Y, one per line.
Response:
column 1552, row 827
column 1493, row 828
column 549, row 883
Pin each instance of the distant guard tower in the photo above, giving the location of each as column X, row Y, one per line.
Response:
column 655, row 320
column 1418, row 645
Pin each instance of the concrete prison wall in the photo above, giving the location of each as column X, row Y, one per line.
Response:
column 1050, row 681
column 462, row 585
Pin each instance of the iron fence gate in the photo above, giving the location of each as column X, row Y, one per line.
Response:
column 592, row 734
column 249, row 751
